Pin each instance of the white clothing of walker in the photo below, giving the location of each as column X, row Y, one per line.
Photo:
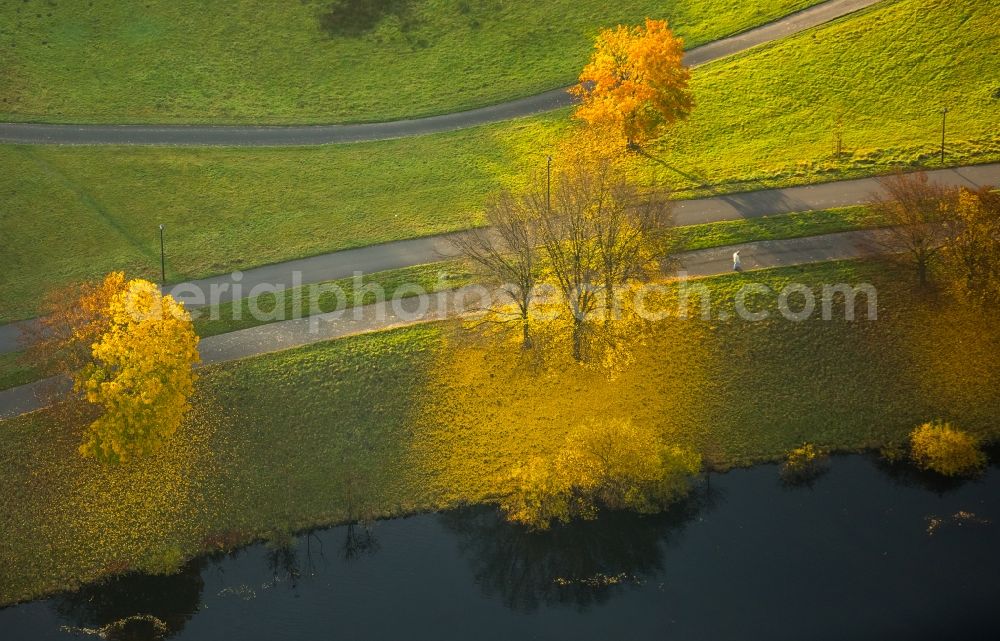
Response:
column 737, row 264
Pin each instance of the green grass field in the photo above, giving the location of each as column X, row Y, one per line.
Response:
column 403, row 421
column 313, row 61
column 796, row 225
column 877, row 79
column 13, row 372
column 430, row 278
column 71, row 213
column 235, row 208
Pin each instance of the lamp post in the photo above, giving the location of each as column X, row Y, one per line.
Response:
column 944, row 119
column 163, row 263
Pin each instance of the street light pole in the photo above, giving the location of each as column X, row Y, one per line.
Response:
column 163, row 263
column 944, row 118
column 548, row 185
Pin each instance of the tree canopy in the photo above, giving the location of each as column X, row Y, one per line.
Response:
column 129, row 351
column 636, row 82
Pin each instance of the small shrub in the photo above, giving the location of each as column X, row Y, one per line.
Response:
column 166, row 560
column 223, row 541
column 946, row 450
column 803, row 464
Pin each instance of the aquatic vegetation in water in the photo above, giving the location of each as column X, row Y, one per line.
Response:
column 959, row 518
column 128, row 627
column 599, row 580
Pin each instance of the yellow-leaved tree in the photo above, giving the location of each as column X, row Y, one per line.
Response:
column 636, row 82
column 129, row 351
column 972, row 249
column 612, row 464
column 141, row 373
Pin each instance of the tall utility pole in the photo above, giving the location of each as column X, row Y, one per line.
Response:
column 548, row 186
column 944, row 119
column 163, row 262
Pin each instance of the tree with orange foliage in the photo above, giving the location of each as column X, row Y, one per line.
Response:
column 636, row 82
column 73, row 318
column 129, row 351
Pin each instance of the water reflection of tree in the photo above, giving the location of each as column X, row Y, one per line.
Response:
column 136, row 606
column 904, row 472
column 283, row 563
column 289, row 559
column 580, row 564
column 359, row 539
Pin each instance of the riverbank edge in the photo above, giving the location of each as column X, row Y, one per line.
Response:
column 308, row 526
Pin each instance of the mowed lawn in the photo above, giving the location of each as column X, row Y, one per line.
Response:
column 766, row 118
column 254, row 61
column 876, row 81
column 431, row 417
column 69, row 213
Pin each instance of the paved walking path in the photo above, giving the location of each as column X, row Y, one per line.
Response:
column 433, row 307
column 418, row 251
column 250, row 135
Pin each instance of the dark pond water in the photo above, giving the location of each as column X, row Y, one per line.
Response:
column 865, row 552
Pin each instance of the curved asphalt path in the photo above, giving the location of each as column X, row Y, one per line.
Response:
column 429, row 249
column 27, row 133
column 287, row 334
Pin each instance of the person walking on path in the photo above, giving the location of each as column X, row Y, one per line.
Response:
column 737, row 264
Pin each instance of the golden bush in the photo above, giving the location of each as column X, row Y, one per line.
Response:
column 939, row 447
column 543, row 491
column 803, row 463
column 612, row 464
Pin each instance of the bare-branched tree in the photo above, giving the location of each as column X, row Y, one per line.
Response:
column 916, row 210
column 507, row 252
column 569, row 236
column 584, row 230
column 632, row 231
column 600, row 234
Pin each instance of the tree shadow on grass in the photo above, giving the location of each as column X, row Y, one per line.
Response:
column 353, row 18
column 754, row 198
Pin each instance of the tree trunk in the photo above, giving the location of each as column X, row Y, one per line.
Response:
column 525, row 333
column 610, row 309
column 577, row 340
